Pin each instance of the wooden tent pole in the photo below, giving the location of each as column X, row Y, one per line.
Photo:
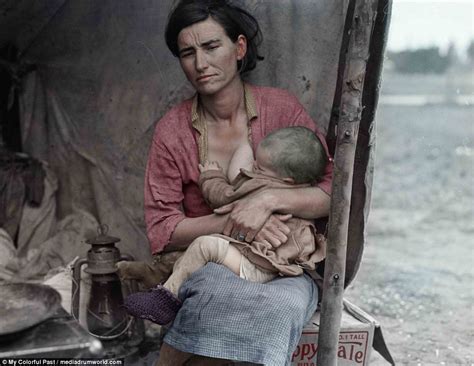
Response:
column 347, row 132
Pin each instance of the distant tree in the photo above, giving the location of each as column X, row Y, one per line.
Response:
column 470, row 52
column 452, row 54
column 422, row 60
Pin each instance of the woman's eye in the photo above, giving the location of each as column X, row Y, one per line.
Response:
column 186, row 53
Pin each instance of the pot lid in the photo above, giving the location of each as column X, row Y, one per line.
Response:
column 23, row 305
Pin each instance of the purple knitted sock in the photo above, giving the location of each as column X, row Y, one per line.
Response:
column 158, row 305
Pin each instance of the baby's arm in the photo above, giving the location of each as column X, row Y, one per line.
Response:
column 214, row 185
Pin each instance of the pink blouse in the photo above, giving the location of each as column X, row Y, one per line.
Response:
column 180, row 143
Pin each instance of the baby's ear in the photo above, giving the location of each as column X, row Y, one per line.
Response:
column 289, row 180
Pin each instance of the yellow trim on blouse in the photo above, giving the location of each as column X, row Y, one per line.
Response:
column 200, row 125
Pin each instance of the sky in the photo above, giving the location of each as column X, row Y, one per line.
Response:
column 424, row 23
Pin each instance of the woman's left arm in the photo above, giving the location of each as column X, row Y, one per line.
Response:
column 249, row 214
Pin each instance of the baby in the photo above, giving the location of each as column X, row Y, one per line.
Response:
column 291, row 157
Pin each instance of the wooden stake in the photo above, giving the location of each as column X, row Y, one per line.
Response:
column 347, row 132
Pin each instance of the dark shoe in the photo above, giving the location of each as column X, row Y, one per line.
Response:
column 158, row 305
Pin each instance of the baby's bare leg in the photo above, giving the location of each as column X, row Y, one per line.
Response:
column 232, row 259
column 201, row 251
column 242, row 158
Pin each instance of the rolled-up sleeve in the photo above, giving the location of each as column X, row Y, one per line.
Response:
column 163, row 196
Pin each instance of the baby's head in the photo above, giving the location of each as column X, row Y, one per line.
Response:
column 293, row 154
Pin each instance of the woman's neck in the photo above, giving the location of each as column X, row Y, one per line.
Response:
column 224, row 105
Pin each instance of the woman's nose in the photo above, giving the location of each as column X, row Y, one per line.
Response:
column 201, row 61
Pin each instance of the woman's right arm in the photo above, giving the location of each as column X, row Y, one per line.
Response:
column 190, row 228
column 167, row 226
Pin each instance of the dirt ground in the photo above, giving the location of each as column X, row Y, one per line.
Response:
column 416, row 277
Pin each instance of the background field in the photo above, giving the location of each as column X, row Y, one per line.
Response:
column 417, row 273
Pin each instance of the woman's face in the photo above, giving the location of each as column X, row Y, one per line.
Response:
column 209, row 57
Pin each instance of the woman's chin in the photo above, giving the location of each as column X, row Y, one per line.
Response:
column 212, row 86
column 208, row 88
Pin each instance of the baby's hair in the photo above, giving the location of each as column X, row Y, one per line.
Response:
column 296, row 152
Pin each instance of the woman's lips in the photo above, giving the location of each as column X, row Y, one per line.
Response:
column 204, row 77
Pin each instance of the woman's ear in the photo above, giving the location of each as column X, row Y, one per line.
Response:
column 241, row 47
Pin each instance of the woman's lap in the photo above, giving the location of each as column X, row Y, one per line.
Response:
column 226, row 317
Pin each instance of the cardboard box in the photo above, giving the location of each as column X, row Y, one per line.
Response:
column 355, row 339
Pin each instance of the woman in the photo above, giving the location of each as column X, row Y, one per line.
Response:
column 223, row 317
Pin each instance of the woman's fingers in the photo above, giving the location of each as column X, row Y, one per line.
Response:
column 225, row 209
column 250, row 236
column 241, row 234
column 238, row 232
column 274, row 231
column 283, row 217
column 267, row 244
column 280, row 236
column 266, row 236
column 246, row 218
column 228, row 228
column 279, row 229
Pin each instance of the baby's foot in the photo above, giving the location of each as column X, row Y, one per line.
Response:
column 158, row 305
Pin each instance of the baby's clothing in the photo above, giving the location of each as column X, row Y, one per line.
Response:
column 304, row 247
column 260, row 262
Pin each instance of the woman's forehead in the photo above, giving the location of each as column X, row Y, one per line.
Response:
column 201, row 32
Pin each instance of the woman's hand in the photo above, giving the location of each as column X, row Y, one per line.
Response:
column 247, row 216
column 274, row 232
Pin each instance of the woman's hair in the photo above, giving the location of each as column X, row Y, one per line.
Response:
column 233, row 19
column 297, row 153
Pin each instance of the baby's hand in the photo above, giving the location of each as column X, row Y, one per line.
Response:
column 209, row 165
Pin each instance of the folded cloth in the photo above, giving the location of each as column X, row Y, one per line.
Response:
column 158, row 305
column 224, row 316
